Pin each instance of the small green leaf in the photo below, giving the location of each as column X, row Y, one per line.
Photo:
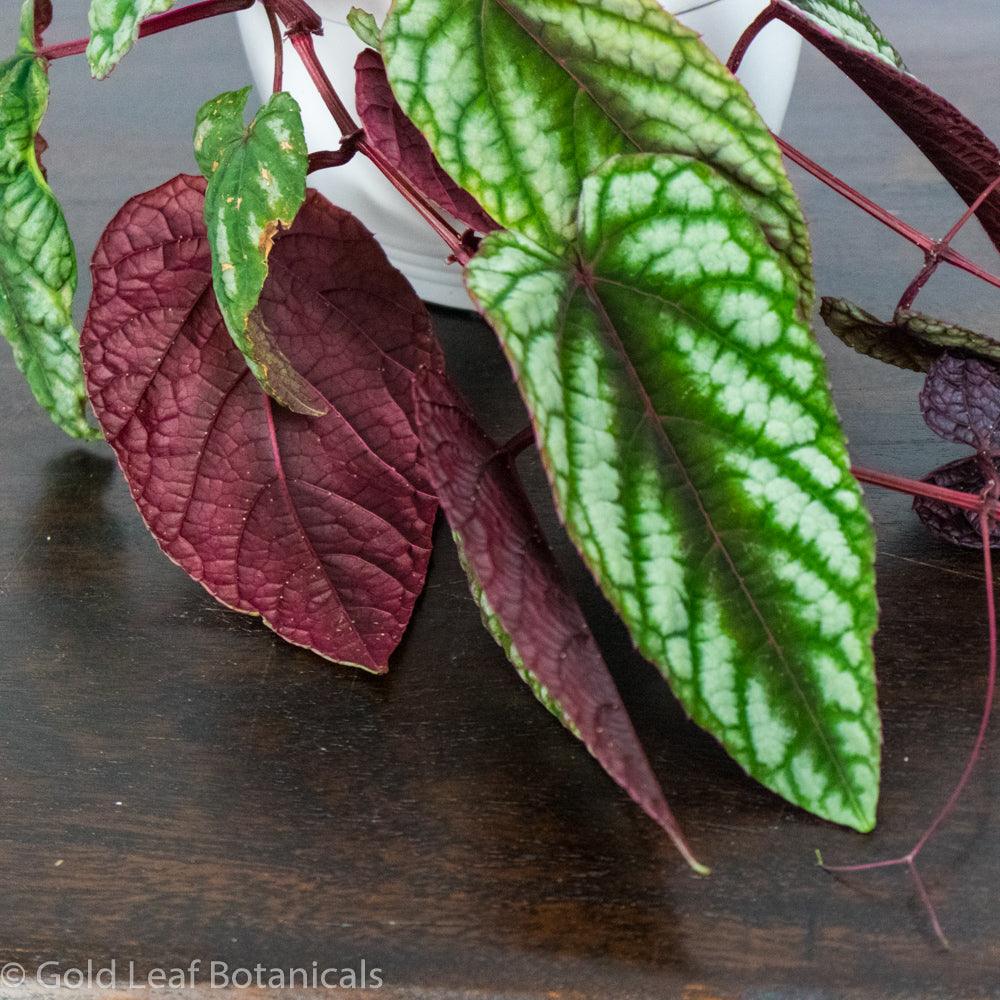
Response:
column 256, row 184
column 848, row 21
column 364, row 26
column 697, row 461
column 911, row 340
column 37, row 259
column 114, row 28
column 521, row 99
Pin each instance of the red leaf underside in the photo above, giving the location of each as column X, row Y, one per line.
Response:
column 400, row 141
column 322, row 526
column 481, row 495
column 956, row 147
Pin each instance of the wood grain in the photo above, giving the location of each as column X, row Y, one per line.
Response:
column 177, row 783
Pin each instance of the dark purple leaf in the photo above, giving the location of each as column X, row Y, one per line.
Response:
column 398, row 139
column 321, row 525
column 959, row 150
column 953, row 524
column 960, row 401
column 523, row 596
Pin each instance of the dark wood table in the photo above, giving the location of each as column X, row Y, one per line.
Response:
column 178, row 784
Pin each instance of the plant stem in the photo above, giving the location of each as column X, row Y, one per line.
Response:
column 915, row 488
column 756, row 26
column 155, row 24
column 524, row 438
column 910, row 858
column 933, row 256
column 922, row 240
column 458, row 243
column 279, row 49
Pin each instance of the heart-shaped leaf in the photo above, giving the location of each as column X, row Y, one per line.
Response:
column 114, row 28
column 960, row 402
column 256, row 183
column 37, row 259
column 521, row 99
column 399, row 140
column 957, row 148
column 954, row 524
column 849, row 21
column 911, row 340
column 685, row 422
column 321, row 525
column 523, row 598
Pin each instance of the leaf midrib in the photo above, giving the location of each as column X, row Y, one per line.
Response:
column 582, row 281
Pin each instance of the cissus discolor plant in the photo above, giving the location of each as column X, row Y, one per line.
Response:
column 279, row 406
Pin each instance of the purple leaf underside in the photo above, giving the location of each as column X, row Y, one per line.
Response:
column 960, row 402
column 957, row 148
column 505, row 552
column 953, row 524
column 320, row 525
column 401, row 142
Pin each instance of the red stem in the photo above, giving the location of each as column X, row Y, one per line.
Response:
column 922, row 240
column 455, row 241
column 155, row 24
column 279, row 50
column 910, row 858
column 756, row 26
column 915, row 488
column 933, row 256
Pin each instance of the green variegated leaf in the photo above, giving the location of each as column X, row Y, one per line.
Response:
column 114, row 27
column 37, row 259
column 696, row 458
column 849, row 21
column 911, row 340
column 521, row 99
column 364, row 26
column 256, row 184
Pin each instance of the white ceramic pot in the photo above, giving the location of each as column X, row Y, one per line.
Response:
column 768, row 73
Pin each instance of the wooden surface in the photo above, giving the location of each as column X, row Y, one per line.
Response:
column 177, row 783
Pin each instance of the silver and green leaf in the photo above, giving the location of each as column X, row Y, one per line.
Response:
column 849, row 21
column 114, row 28
column 686, row 425
column 37, row 260
column 521, row 99
column 256, row 184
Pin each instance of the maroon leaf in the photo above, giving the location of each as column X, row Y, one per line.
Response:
column 516, row 579
column 959, row 150
column 320, row 525
column 953, row 524
column 389, row 130
column 960, row 401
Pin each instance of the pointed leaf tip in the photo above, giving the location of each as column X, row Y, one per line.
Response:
column 523, row 598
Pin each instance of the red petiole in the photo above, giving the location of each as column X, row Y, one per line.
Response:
column 153, row 25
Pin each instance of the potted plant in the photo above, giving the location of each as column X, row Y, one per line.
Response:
column 278, row 403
